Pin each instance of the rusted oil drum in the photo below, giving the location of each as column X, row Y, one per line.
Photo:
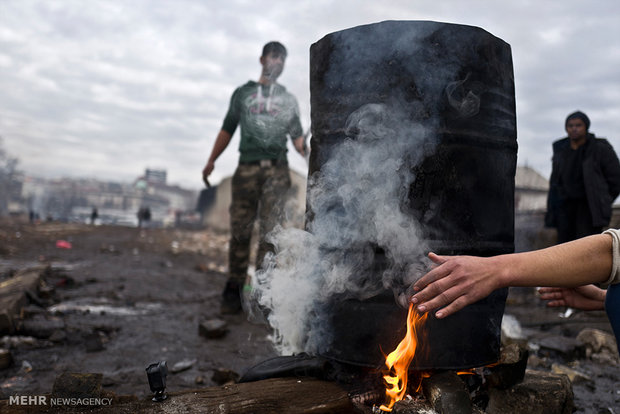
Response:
column 456, row 83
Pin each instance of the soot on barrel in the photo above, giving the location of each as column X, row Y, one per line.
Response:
column 413, row 149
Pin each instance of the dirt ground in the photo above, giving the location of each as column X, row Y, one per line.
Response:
column 127, row 298
column 120, row 298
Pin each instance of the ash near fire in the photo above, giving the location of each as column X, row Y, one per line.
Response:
column 413, row 149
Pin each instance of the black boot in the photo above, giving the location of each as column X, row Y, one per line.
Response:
column 231, row 298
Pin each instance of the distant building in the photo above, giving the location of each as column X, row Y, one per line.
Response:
column 531, row 190
column 155, row 176
column 73, row 199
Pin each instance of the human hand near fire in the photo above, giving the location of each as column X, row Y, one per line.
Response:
column 455, row 282
column 587, row 297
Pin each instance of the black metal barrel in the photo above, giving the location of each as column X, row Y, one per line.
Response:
column 456, row 82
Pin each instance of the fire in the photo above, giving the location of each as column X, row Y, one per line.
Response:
column 398, row 361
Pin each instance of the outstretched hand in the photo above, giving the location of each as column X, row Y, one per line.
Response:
column 454, row 282
column 588, row 297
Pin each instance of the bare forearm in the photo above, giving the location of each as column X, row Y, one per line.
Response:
column 576, row 263
column 221, row 142
column 456, row 281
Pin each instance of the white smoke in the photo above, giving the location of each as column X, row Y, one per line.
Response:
column 359, row 203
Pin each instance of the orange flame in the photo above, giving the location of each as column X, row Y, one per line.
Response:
column 398, row 361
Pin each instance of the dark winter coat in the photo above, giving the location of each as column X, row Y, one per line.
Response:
column 601, row 176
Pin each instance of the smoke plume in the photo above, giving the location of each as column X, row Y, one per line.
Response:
column 357, row 201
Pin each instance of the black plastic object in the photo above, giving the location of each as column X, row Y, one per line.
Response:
column 300, row 365
column 456, row 82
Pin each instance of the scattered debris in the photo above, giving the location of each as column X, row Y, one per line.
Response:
column 573, row 375
column 599, row 342
column 447, row 393
column 40, row 326
column 77, row 385
column 556, row 346
column 222, row 376
column 94, row 342
column 26, row 366
column 6, row 359
column 533, row 394
column 110, row 249
column 510, row 370
column 13, row 297
column 213, row 328
column 63, row 244
column 183, row 365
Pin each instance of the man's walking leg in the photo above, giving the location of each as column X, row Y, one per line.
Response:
column 242, row 216
column 273, row 203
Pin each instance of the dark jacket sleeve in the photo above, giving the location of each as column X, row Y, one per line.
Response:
column 553, row 197
column 611, row 169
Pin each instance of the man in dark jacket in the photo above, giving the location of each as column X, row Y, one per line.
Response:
column 585, row 181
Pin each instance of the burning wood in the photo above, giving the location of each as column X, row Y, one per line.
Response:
column 398, row 361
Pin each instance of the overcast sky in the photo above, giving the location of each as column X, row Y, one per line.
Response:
column 106, row 88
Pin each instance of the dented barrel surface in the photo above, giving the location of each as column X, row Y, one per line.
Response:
column 449, row 91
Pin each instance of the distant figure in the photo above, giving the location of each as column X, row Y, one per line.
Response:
column 94, row 215
column 144, row 216
column 585, row 181
column 268, row 114
column 147, row 216
column 140, row 216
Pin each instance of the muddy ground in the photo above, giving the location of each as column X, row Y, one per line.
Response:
column 126, row 298
column 120, row 298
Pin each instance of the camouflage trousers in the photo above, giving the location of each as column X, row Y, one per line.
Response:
column 257, row 192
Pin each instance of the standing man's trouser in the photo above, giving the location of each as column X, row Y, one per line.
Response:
column 575, row 221
column 256, row 192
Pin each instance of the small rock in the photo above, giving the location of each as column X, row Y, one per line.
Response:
column 13, row 342
column 535, row 361
column 511, row 368
column 534, row 393
column 213, row 328
column 447, row 393
column 597, row 341
column 222, row 376
column 561, row 346
column 182, row 365
column 6, row 359
column 58, row 336
column 40, row 327
column 26, row 366
column 202, row 267
column 573, row 375
column 200, row 379
column 77, row 385
column 94, row 342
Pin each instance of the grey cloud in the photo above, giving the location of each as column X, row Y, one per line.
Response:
column 142, row 62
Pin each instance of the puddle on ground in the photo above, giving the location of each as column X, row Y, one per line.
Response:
column 103, row 306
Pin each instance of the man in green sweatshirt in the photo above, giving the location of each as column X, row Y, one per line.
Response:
column 268, row 115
